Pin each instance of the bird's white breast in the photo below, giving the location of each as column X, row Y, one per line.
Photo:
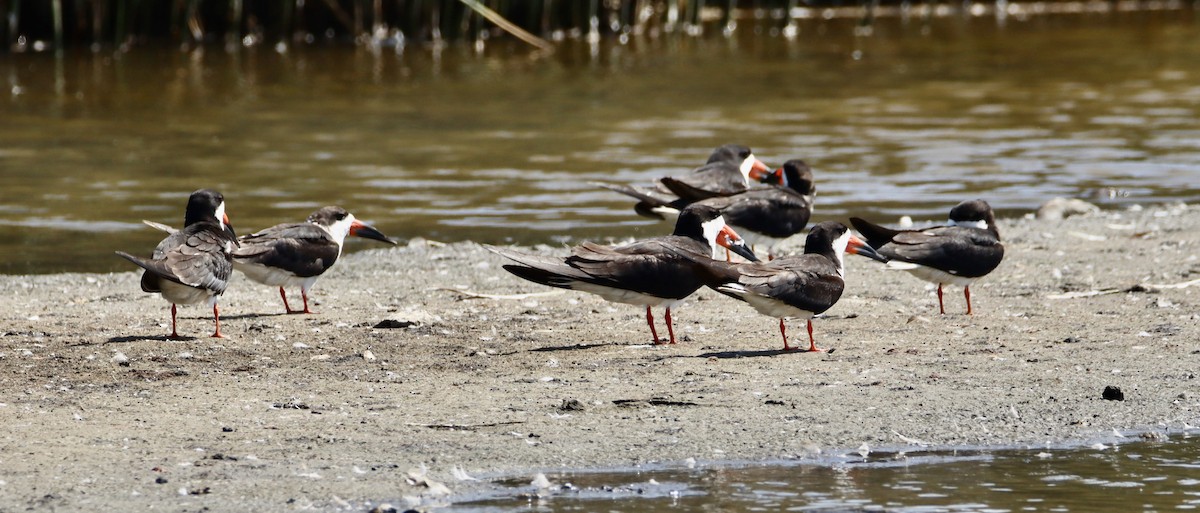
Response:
column 930, row 274
column 181, row 294
column 628, row 297
column 273, row 276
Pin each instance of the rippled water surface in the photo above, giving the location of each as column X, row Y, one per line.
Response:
column 450, row 145
column 1104, row 478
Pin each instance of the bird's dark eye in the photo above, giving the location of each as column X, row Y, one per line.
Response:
column 341, row 216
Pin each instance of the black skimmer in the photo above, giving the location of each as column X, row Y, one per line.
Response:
column 729, row 170
column 798, row 286
column 296, row 254
column 764, row 215
column 193, row 264
column 964, row 250
column 770, row 214
column 659, row 271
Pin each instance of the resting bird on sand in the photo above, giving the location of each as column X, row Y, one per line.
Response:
column 192, row 265
column 763, row 215
column 731, row 169
column 798, row 286
column 966, row 249
column 659, row 271
column 296, row 254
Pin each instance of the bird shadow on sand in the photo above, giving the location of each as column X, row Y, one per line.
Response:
column 572, row 347
column 759, row 352
column 259, row 315
column 138, row 338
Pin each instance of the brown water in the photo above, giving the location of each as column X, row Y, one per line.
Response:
column 1101, row 478
column 500, row 146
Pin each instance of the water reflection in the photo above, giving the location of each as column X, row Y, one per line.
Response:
column 451, row 144
column 1137, row 476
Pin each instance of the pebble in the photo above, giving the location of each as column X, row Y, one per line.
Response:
column 1112, row 393
column 540, row 481
column 1059, row 208
column 119, row 358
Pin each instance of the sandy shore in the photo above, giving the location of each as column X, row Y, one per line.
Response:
column 328, row 411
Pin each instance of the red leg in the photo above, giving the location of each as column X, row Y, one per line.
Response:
column 670, row 329
column 941, row 306
column 304, row 294
column 812, row 344
column 174, row 334
column 967, row 292
column 650, row 322
column 728, row 257
column 286, row 306
column 783, row 331
column 217, row 322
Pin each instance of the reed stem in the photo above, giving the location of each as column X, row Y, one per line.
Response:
column 56, row 7
column 5, row 24
column 508, row 26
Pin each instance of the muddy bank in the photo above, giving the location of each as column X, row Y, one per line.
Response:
column 431, row 355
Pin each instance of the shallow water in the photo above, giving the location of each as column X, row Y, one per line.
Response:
column 502, row 146
column 1119, row 478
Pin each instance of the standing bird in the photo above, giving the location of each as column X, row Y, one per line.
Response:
column 764, row 215
column 659, row 271
column 964, row 250
column 798, row 286
column 193, row 264
column 296, row 254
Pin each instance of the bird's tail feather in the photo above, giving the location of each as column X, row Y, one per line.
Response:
column 876, row 235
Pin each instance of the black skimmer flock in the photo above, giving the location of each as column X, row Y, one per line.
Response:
column 659, row 271
column 296, row 254
column 763, row 215
column 798, row 286
column 965, row 249
column 193, row 264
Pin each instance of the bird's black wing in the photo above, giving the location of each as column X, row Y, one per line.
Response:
column 809, row 282
column 961, row 251
column 195, row 256
column 711, row 180
column 303, row 249
column 774, row 212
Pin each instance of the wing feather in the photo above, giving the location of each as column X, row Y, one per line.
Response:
column 715, row 179
column 196, row 256
column 808, row 282
column 303, row 249
column 657, row 267
column 774, row 212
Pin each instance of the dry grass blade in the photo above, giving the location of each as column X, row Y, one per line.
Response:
column 508, row 26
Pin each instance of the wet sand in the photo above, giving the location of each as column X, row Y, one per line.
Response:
column 430, row 356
